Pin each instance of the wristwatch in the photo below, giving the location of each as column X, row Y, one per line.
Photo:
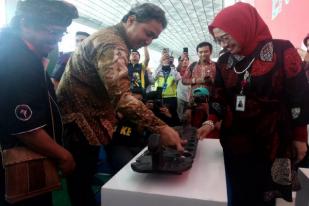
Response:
column 210, row 123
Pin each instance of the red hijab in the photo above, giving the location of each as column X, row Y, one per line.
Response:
column 244, row 24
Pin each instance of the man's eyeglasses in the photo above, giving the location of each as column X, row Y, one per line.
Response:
column 55, row 32
column 225, row 39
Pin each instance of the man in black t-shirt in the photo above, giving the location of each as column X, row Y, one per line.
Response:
column 28, row 108
column 138, row 73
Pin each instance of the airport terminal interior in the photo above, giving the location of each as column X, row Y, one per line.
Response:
column 155, row 102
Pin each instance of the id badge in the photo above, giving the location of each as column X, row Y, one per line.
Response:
column 240, row 103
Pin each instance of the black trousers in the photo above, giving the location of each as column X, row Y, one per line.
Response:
column 86, row 157
column 119, row 155
column 247, row 178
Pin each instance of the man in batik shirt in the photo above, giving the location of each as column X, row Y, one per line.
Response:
column 203, row 72
column 95, row 85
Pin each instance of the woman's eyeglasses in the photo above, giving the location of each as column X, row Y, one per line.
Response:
column 225, row 39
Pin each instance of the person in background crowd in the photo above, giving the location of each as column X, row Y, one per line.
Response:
column 128, row 139
column 203, row 72
column 138, row 73
column 95, row 87
column 154, row 102
column 64, row 58
column 151, row 80
column 183, row 91
column 29, row 114
column 167, row 77
column 200, row 107
column 171, row 61
column 261, row 95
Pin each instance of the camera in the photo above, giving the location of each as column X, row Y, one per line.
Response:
column 200, row 95
column 156, row 98
column 171, row 61
column 185, row 50
column 166, row 50
column 200, row 99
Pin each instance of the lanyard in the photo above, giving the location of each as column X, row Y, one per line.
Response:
column 246, row 77
column 165, row 75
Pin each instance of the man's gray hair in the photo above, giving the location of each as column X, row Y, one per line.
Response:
column 147, row 12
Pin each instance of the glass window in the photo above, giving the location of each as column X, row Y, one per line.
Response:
column 2, row 13
column 68, row 41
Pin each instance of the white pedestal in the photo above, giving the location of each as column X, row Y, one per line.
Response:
column 203, row 185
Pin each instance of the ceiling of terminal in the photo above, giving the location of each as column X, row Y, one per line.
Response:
column 187, row 20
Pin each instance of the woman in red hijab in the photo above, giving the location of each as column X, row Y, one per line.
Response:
column 260, row 97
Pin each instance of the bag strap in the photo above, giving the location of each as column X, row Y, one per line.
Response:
column 191, row 67
column 50, row 109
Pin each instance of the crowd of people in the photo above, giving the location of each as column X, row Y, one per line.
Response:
column 254, row 98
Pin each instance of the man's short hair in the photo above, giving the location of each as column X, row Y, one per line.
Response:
column 82, row 33
column 179, row 58
column 203, row 44
column 41, row 12
column 147, row 12
column 135, row 50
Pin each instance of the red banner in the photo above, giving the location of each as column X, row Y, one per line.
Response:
column 287, row 19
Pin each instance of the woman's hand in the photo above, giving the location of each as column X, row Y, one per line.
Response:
column 301, row 150
column 204, row 131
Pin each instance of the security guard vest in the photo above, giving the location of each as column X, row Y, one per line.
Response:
column 166, row 79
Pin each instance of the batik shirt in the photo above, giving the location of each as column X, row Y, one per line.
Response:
column 275, row 110
column 95, row 86
column 275, row 90
column 199, row 72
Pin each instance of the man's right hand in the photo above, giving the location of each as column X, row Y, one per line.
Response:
column 169, row 137
column 40, row 141
column 66, row 163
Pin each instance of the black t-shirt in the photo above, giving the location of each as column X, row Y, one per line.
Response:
column 126, row 134
column 27, row 98
column 135, row 72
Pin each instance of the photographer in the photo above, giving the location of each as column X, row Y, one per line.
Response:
column 199, row 110
column 138, row 73
column 183, row 91
column 167, row 77
column 154, row 102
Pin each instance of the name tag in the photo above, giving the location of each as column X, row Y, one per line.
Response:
column 240, row 103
